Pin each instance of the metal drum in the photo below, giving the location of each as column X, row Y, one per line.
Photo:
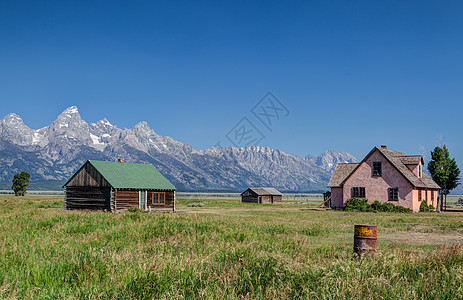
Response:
column 365, row 240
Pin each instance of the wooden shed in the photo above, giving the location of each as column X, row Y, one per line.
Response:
column 261, row 195
column 116, row 186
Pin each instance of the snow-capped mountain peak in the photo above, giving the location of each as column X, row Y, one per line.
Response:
column 12, row 120
column 72, row 110
column 69, row 116
column 105, row 122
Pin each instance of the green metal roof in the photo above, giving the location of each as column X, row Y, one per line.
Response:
column 132, row 176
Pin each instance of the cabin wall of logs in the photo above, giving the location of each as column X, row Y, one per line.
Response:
column 87, row 198
column 124, row 199
column 261, row 199
column 250, row 199
column 88, row 189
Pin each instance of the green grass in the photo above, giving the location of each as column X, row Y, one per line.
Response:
column 224, row 249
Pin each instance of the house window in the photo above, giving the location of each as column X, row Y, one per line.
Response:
column 393, row 194
column 159, row 198
column 432, row 195
column 376, row 168
column 420, row 171
column 419, row 195
column 426, row 195
column 358, row 192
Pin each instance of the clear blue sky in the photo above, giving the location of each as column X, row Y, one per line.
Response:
column 353, row 74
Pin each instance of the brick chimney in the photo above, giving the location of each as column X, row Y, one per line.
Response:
column 383, row 147
column 120, row 160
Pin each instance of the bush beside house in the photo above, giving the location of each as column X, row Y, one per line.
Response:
column 355, row 204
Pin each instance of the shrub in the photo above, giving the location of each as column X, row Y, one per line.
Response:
column 424, row 207
column 134, row 210
column 376, row 206
column 355, row 204
column 400, row 209
column 195, row 205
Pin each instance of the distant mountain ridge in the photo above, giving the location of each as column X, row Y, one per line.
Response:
column 56, row 151
column 330, row 158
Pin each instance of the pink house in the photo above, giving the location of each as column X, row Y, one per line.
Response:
column 386, row 176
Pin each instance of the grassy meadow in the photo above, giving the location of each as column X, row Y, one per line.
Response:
column 224, row 249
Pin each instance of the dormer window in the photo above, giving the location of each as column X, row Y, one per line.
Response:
column 377, row 168
column 420, row 171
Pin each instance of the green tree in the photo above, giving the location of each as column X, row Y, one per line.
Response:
column 20, row 183
column 444, row 171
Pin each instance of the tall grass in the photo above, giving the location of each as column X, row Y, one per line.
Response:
column 226, row 250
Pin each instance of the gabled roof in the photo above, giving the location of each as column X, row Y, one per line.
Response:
column 265, row 191
column 398, row 160
column 340, row 173
column 131, row 176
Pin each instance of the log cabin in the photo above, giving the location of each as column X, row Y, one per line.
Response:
column 114, row 186
column 261, row 195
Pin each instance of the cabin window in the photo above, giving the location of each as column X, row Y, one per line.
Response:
column 426, row 195
column 393, row 194
column 376, row 168
column 159, row 198
column 419, row 195
column 420, row 171
column 358, row 192
column 432, row 195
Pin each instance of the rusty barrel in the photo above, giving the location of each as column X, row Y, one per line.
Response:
column 365, row 239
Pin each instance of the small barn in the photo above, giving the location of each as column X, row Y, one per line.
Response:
column 114, row 186
column 261, row 195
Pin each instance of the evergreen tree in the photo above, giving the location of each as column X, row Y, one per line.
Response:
column 444, row 171
column 20, row 183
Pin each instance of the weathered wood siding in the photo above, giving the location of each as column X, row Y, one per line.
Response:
column 169, row 200
column 87, row 198
column 264, row 199
column 249, row 196
column 277, row 199
column 125, row 199
column 87, row 190
column 88, row 176
column 250, row 199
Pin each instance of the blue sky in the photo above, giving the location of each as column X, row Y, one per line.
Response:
column 352, row 74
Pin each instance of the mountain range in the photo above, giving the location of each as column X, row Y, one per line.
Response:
column 55, row 152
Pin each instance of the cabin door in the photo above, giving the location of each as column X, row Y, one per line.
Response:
column 142, row 199
column 260, row 199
